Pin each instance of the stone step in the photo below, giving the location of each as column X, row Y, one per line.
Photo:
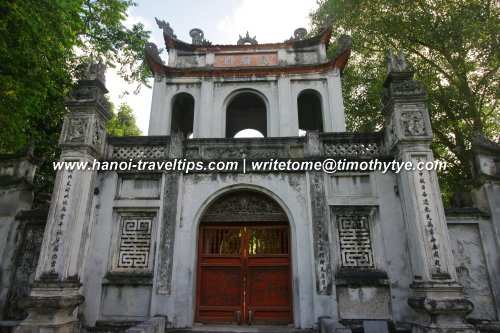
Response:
column 239, row 329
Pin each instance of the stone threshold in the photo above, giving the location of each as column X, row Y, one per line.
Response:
column 239, row 329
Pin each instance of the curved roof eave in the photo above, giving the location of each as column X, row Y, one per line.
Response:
column 159, row 68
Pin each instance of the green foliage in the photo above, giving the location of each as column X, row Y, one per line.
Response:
column 123, row 123
column 454, row 49
column 43, row 46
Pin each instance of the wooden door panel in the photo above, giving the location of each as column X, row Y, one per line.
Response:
column 268, row 286
column 220, row 286
column 244, row 269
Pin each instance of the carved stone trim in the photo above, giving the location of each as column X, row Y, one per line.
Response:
column 407, row 87
column 99, row 135
column 167, row 232
column 244, row 206
column 320, row 235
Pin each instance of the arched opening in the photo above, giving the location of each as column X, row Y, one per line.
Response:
column 244, row 262
column 310, row 111
column 182, row 114
column 246, row 111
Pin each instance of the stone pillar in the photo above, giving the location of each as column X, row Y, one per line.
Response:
column 159, row 120
column 288, row 120
column 336, row 118
column 16, row 195
column 55, row 293
column 207, row 113
column 437, row 298
column 485, row 157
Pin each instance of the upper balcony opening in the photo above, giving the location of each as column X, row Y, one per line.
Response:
column 182, row 114
column 246, row 111
column 310, row 111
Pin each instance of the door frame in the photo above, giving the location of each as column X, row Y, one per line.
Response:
column 264, row 219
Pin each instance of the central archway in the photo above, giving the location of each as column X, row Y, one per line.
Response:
column 244, row 262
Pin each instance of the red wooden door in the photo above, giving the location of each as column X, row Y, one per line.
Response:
column 244, row 275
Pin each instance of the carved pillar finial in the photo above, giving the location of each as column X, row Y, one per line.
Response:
column 397, row 63
column 95, row 71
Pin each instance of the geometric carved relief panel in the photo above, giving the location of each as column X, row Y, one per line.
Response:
column 355, row 240
column 134, row 242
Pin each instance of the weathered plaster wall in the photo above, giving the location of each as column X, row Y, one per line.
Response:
column 279, row 93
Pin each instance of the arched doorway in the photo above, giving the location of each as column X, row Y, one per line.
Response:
column 244, row 262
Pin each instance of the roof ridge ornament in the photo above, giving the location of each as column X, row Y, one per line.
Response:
column 247, row 39
column 344, row 43
column 152, row 50
column 165, row 26
column 298, row 34
column 329, row 21
column 197, row 37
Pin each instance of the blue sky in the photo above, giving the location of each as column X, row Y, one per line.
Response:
column 222, row 21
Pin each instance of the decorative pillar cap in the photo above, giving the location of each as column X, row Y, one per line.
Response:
column 94, row 75
column 398, row 68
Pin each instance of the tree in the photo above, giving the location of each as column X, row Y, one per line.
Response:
column 44, row 45
column 123, row 122
column 454, row 49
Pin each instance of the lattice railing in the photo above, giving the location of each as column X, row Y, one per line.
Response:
column 360, row 149
column 139, row 152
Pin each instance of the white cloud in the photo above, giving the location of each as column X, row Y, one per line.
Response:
column 270, row 21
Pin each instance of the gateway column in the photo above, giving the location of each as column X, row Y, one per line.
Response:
column 55, row 292
column 437, row 297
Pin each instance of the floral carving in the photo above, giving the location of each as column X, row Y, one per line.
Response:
column 77, row 129
column 244, row 206
column 413, row 123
